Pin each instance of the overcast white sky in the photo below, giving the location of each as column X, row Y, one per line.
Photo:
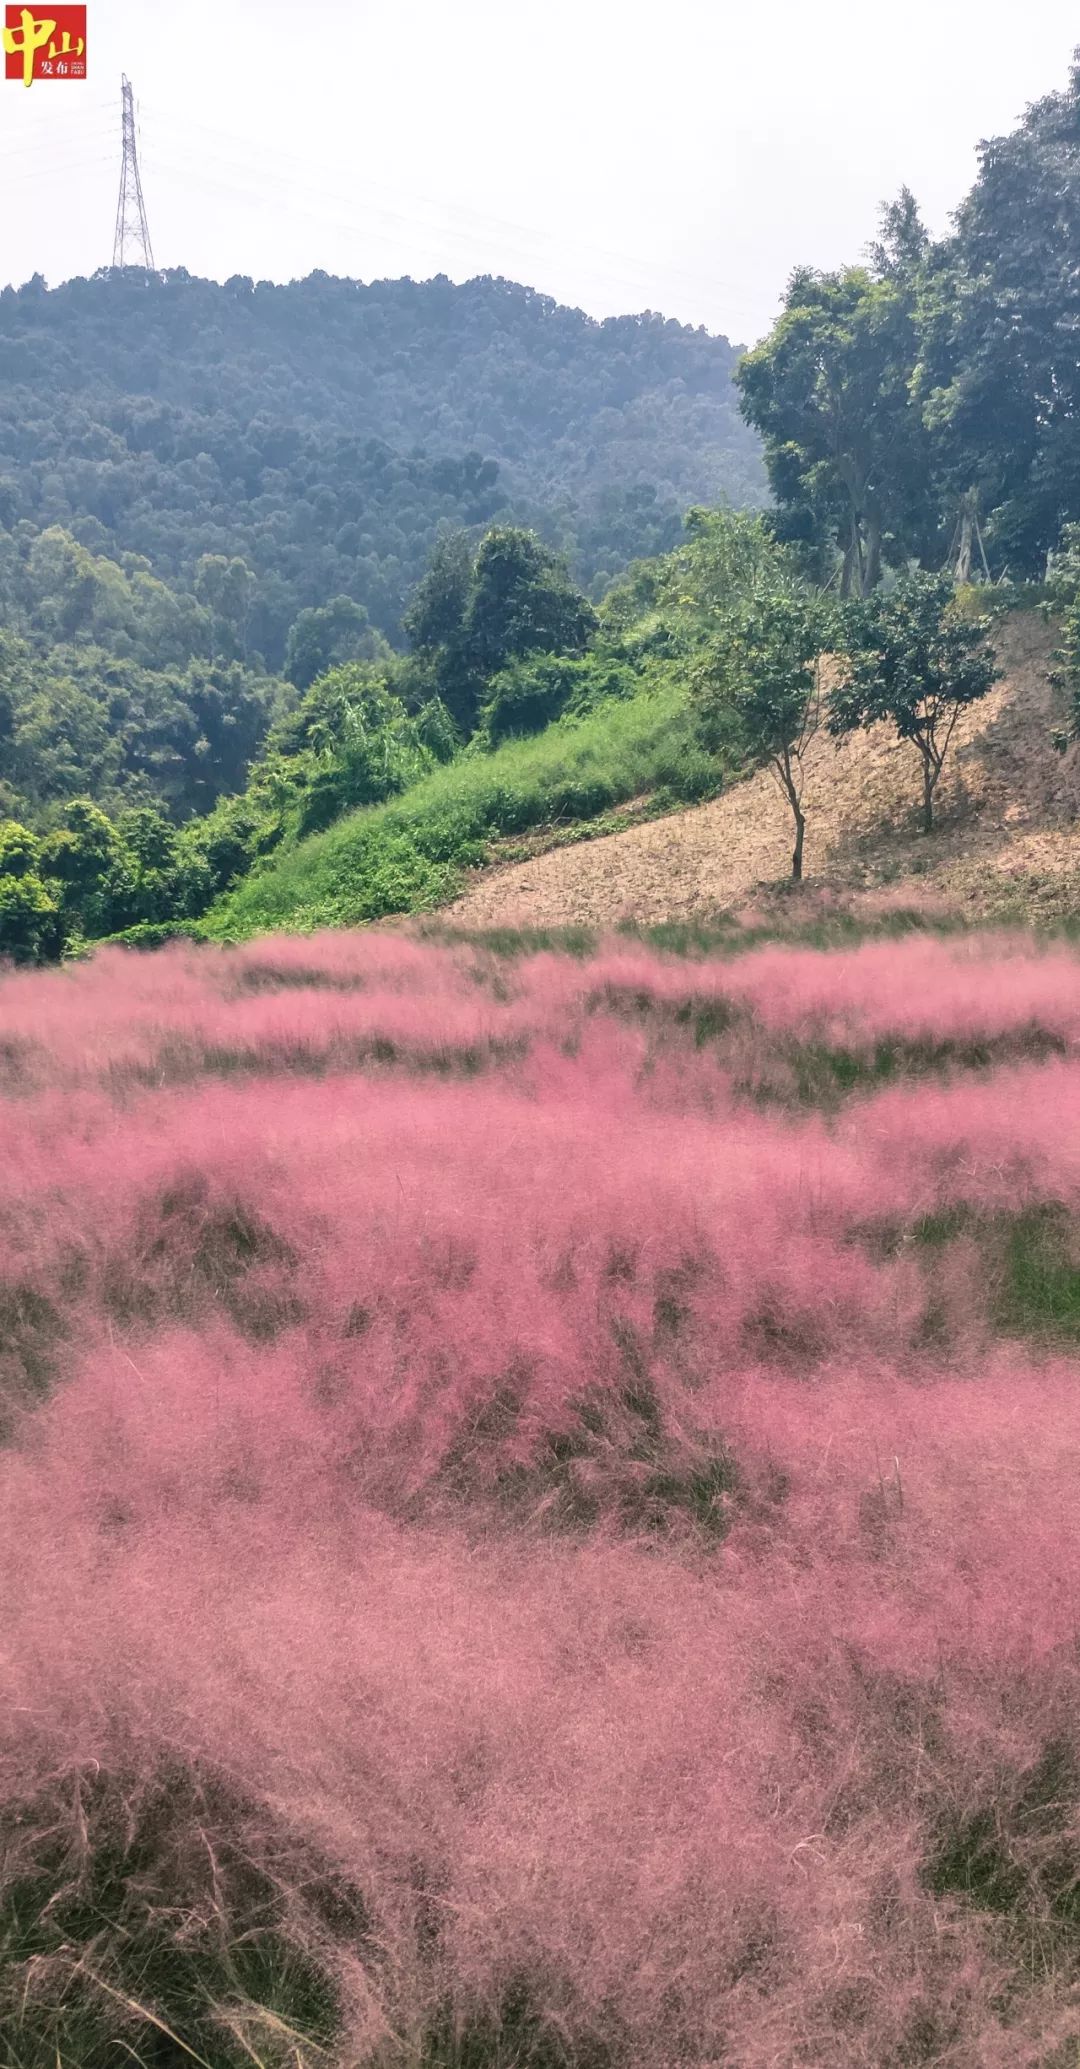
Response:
column 682, row 155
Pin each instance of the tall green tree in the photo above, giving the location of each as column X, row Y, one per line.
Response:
column 522, row 602
column 435, row 613
column 328, row 635
column 159, row 879
column 85, row 858
column 225, row 587
column 914, row 660
column 846, row 449
column 20, row 850
column 475, row 613
column 998, row 374
column 1063, row 585
column 31, row 927
column 902, row 246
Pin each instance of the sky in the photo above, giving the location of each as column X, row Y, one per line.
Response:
column 682, row 156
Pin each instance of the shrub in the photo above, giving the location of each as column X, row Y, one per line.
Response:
column 31, row 925
column 534, row 692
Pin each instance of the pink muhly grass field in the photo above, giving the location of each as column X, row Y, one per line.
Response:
column 538, row 1508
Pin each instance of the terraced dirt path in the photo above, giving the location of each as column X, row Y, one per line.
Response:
column 1008, row 836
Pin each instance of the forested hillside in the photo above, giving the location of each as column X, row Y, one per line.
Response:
column 271, row 554
column 919, row 414
column 323, row 430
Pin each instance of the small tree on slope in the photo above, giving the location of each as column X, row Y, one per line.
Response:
column 915, row 660
column 764, row 669
column 1063, row 589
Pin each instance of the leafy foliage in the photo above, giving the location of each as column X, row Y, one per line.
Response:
column 31, row 927
column 997, row 366
column 532, row 693
column 107, row 686
column 928, row 404
column 762, row 673
column 324, row 638
column 1063, row 595
column 474, row 614
column 915, row 659
column 408, row 853
column 845, row 446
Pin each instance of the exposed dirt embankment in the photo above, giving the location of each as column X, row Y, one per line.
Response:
column 1008, row 833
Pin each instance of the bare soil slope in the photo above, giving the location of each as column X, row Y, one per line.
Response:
column 1008, row 838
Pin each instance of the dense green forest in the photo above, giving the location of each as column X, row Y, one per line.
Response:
column 290, row 554
column 926, row 404
column 323, row 430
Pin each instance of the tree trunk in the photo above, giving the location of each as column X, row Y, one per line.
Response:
column 781, row 761
column 982, row 545
column 872, row 569
column 853, row 575
column 796, row 860
column 963, row 558
column 928, row 795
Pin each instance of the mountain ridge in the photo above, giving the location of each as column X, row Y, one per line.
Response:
column 324, row 429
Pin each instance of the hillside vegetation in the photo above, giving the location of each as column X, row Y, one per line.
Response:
column 1006, row 845
column 598, row 818
column 222, row 633
column 408, row 855
column 620, row 726
column 905, row 428
column 322, row 431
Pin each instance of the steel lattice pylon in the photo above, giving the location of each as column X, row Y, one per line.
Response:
column 131, row 244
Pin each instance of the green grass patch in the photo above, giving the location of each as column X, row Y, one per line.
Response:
column 150, row 934
column 790, row 923
column 710, row 937
column 141, row 1920
column 613, row 1460
column 823, row 1073
column 510, row 944
column 1040, row 1279
column 32, row 1331
column 786, row 1071
column 1031, row 1258
column 408, row 855
column 1012, row 1852
column 515, row 2033
column 185, row 1062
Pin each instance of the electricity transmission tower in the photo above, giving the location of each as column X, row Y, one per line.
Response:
column 131, row 244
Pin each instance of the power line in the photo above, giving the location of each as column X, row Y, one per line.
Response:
column 377, row 229
column 61, row 171
column 451, row 224
column 186, row 154
column 131, row 243
column 379, row 226
column 78, row 140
